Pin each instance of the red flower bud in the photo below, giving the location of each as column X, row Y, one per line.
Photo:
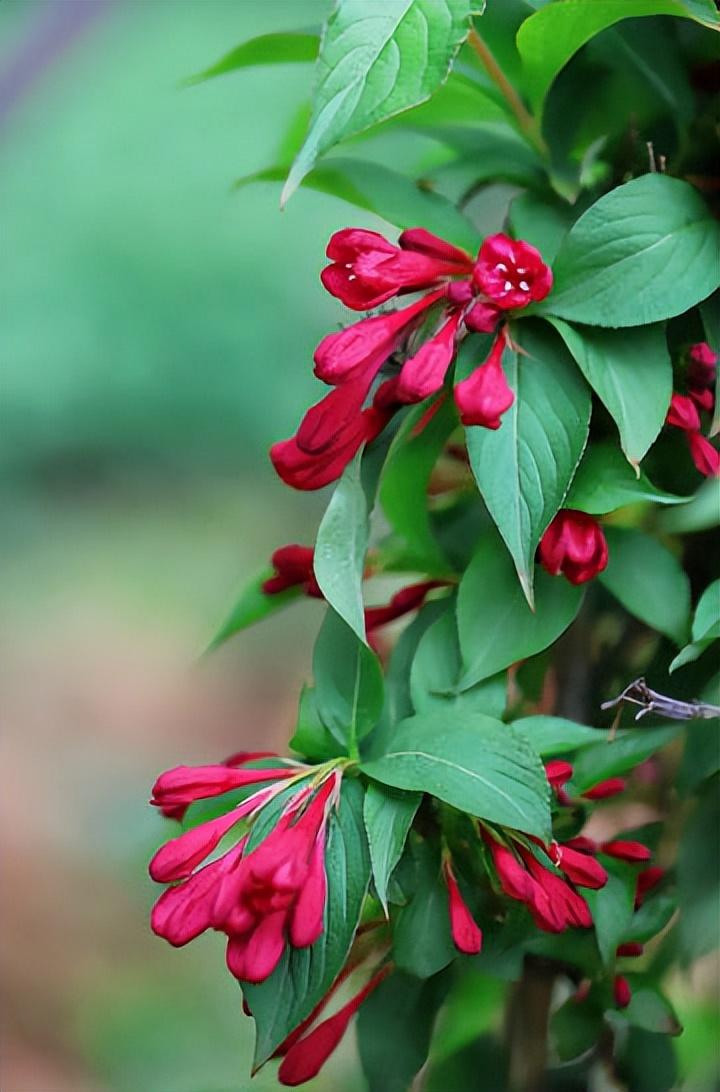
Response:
column 424, row 242
column 703, row 356
column 466, row 934
column 511, row 273
column 185, row 784
column 580, row 868
column 583, row 843
column 703, row 398
column 293, row 568
column 403, row 602
column 484, row 395
column 683, row 413
column 558, row 772
column 621, row 991
column 704, row 455
column 307, row 1055
column 648, row 879
column 630, row 950
column 626, row 851
column 611, row 787
column 482, row 318
column 574, row 545
column 423, row 373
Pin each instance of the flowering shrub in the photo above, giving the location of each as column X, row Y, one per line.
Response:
column 444, row 821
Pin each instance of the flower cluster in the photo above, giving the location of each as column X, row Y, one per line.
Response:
column 686, row 409
column 262, row 897
column 462, row 295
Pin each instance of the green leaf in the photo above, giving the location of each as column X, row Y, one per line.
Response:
column 311, row 738
column 698, row 873
column 524, row 468
column 631, row 373
column 374, row 63
column 341, row 546
column 650, row 1009
column 614, row 757
column 605, row 481
column 496, row 626
column 612, row 907
column 394, row 1028
column 547, row 40
column 386, row 193
column 495, row 151
column 422, row 944
column 575, row 1028
column 403, row 491
column 701, row 513
column 644, row 252
column 552, row 736
column 649, row 581
column 304, row 975
column 473, row 762
column 705, row 626
column 281, row 48
column 436, row 671
column 542, row 221
column 388, row 815
column 348, row 682
column 252, row 606
column 650, row 919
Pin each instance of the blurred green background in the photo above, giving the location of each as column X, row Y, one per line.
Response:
column 156, row 337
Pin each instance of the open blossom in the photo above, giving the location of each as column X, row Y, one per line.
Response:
column 552, row 901
column 466, row 934
column 264, row 898
column 484, row 395
column 574, row 545
column 511, row 273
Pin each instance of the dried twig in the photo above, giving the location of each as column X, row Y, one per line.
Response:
column 639, row 693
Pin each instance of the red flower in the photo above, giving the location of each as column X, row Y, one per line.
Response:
column 580, row 868
column 307, row 1055
column 558, row 772
column 264, row 899
column 630, row 950
column 621, row 991
column 485, row 395
column 611, row 787
column 403, row 602
column 648, row 879
column 466, row 934
column 704, row 455
column 626, row 851
column 683, row 413
column 184, row 784
column 293, row 567
column 703, row 398
column 423, row 373
column 573, row 545
column 703, row 364
column 583, row 843
column 482, row 318
column 367, row 270
column 511, row 273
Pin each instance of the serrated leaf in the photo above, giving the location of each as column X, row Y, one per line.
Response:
column 304, row 975
column 473, row 762
column 496, row 626
column 549, row 38
column 524, row 468
column 375, row 62
column 252, row 606
column 341, row 546
column 606, row 481
column 631, row 373
column 348, row 682
column 404, row 486
column 388, row 814
column 645, row 251
column 649, row 581
column 267, row 49
column 387, row 193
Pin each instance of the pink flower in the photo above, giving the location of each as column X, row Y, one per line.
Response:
column 621, row 991
column 484, row 396
column 683, row 413
column 626, row 851
column 307, row 1055
column 511, row 273
column 573, row 545
column 611, row 787
column 293, row 567
column 466, row 934
column 558, row 772
column 367, row 270
column 264, row 899
column 423, row 373
column 704, row 455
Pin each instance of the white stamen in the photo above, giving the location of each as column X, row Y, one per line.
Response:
column 508, row 286
column 501, row 267
column 520, row 270
column 525, row 286
column 348, row 265
column 352, row 277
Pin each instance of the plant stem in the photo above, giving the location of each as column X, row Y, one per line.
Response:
column 524, row 118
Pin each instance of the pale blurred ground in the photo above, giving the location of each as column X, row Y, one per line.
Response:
column 156, row 337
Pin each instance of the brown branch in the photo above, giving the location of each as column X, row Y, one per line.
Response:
column 524, row 118
column 649, row 701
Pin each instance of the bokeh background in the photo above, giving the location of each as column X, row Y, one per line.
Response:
column 156, row 336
